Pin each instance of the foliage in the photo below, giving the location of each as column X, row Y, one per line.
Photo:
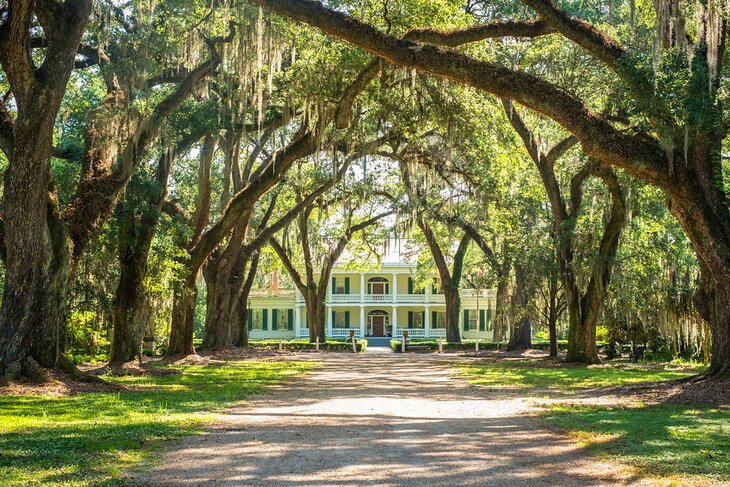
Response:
column 89, row 438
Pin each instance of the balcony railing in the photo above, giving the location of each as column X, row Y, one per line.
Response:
column 273, row 293
column 473, row 293
column 411, row 298
column 378, row 298
column 345, row 298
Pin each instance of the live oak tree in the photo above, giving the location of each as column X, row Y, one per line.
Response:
column 675, row 143
column 449, row 261
column 322, row 232
column 584, row 306
column 117, row 136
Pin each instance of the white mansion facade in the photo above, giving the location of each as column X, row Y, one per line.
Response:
column 379, row 302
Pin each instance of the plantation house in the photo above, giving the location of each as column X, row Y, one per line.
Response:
column 380, row 301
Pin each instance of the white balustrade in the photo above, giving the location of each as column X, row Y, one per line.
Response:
column 437, row 332
column 378, row 298
column 344, row 332
column 411, row 298
column 345, row 298
column 413, row 332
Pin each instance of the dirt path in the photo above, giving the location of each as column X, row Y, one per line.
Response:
column 382, row 419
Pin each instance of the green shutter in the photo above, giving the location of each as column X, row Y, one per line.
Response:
column 347, row 318
column 250, row 320
column 334, row 318
column 347, row 285
column 265, row 312
column 434, row 319
column 482, row 320
column 466, row 320
column 334, row 285
column 423, row 319
column 274, row 319
column 290, row 319
column 410, row 285
column 410, row 319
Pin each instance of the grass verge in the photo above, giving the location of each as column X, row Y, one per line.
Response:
column 523, row 374
column 688, row 441
column 91, row 438
column 662, row 439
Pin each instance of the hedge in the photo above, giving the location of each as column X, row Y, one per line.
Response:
column 469, row 345
column 331, row 345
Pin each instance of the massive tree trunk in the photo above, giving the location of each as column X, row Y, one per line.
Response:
column 553, row 313
column 316, row 315
column 183, row 317
column 136, row 232
column 241, row 316
column 500, row 311
column 521, row 338
column 452, row 299
column 707, row 225
column 224, row 277
column 37, row 254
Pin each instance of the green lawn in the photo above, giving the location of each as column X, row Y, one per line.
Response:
column 661, row 439
column 541, row 375
column 88, row 439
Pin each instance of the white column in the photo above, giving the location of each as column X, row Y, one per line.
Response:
column 427, row 321
column 329, row 321
column 394, row 320
column 297, row 321
column 395, row 285
column 362, row 321
column 362, row 287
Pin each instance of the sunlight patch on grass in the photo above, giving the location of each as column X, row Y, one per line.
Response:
column 531, row 375
column 91, row 438
column 662, row 439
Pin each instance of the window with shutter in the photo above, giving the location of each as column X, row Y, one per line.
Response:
column 482, row 320
column 290, row 319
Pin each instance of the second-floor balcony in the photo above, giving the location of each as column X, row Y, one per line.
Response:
column 386, row 298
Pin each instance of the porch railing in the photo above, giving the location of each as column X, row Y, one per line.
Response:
column 344, row 332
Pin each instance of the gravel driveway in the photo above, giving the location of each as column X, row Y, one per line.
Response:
column 382, row 419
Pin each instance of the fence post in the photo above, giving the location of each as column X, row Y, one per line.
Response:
column 281, row 345
column 476, row 345
column 352, row 339
column 316, row 344
column 441, row 345
column 403, row 344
